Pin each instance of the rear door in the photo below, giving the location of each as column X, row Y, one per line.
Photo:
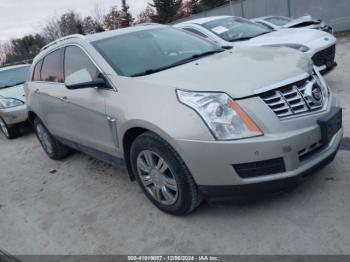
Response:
column 49, row 92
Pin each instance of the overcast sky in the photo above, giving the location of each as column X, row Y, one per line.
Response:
column 20, row 17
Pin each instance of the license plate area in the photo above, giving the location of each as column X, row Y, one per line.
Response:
column 330, row 124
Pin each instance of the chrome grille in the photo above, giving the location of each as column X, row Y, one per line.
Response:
column 292, row 99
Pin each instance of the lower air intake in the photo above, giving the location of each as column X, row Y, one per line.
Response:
column 261, row 168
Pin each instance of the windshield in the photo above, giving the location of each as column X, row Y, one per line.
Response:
column 12, row 77
column 233, row 29
column 148, row 51
column 279, row 20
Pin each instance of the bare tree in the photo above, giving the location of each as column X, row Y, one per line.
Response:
column 52, row 30
column 3, row 52
column 70, row 23
column 145, row 16
column 91, row 26
column 98, row 14
column 113, row 19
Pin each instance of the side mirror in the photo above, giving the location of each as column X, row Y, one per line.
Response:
column 99, row 82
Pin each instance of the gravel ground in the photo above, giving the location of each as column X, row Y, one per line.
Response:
column 83, row 206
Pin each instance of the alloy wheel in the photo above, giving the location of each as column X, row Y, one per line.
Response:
column 157, row 177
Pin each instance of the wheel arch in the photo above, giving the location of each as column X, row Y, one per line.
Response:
column 31, row 117
column 135, row 130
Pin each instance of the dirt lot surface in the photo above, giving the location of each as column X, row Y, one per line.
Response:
column 83, row 206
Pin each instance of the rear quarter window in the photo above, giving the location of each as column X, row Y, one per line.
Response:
column 52, row 69
column 37, row 71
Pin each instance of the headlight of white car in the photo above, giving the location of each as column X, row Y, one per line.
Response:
column 224, row 117
column 9, row 102
column 301, row 48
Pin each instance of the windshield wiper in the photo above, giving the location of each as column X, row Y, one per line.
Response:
column 248, row 37
column 195, row 56
column 241, row 39
column 181, row 62
column 263, row 33
column 16, row 84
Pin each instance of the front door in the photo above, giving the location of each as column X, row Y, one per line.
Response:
column 86, row 117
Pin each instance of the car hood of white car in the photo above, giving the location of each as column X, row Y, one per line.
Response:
column 301, row 20
column 239, row 72
column 16, row 92
column 287, row 36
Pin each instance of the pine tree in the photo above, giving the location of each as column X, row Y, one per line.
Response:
column 208, row 4
column 195, row 6
column 166, row 10
column 125, row 14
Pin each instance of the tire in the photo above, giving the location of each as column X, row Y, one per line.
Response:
column 52, row 147
column 163, row 176
column 9, row 132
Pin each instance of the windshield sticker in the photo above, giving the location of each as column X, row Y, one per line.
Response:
column 220, row 29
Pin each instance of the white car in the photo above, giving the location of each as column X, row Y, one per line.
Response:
column 13, row 110
column 235, row 31
column 280, row 22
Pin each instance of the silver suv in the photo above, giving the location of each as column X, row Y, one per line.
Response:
column 191, row 120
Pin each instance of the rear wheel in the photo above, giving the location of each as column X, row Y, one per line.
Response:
column 9, row 132
column 163, row 175
column 53, row 148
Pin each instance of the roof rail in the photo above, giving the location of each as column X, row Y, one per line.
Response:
column 146, row 24
column 62, row 39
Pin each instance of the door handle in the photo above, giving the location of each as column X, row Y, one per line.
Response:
column 37, row 91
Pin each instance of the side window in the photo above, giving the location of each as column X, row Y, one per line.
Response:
column 78, row 68
column 37, row 70
column 52, row 70
column 194, row 31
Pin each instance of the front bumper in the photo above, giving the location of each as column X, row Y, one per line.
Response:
column 248, row 191
column 297, row 142
column 14, row 115
column 212, row 163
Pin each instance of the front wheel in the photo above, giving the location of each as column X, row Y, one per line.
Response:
column 163, row 175
column 9, row 132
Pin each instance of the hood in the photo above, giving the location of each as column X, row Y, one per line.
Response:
column 237, row 72
column 14, row 92
column 308, row 20
column 286, row 36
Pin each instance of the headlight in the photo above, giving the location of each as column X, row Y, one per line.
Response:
column 10, row 102
column 301, row 48
column 323, row 85
column 223, row 116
